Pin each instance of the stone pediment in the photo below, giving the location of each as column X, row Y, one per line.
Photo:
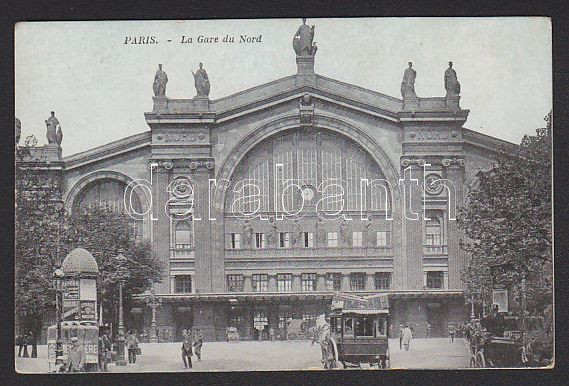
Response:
column 202, row 110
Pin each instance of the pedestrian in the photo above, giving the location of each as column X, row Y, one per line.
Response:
column 20, row 344
column 187, row 351
column 26, row 340
column 400, row 336
column 428, row 330
column 451, row 332
column 406, row 336
column 198, row 343
column 104, row 349
column 272, row 334
column 34, row 343
column 132, row 344
column 75, row 357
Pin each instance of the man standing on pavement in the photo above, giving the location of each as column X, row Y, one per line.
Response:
column 187, row 351
column 400, row 336
column 198, row 343
column 132, row 344
column 451, row 332
column 104, row 348
column 75, row 357
column 406, row 336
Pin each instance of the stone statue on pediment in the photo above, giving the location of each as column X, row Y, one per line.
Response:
column 160, row 81
column 302, row 42
column 201, row 82
column 452, row 86
column 52, row 125
column 408, row 82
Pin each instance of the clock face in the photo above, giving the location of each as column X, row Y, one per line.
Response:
column 307, row 193
column 433, row 185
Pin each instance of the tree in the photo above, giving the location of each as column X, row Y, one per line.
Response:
column 39, row 219
column 44, row 236
column 106, row 233
column 508, row 223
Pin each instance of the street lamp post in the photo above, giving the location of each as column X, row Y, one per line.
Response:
column 120, row 339
column 153, row 302
column 58, row 286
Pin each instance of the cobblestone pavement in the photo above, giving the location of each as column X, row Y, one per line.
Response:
column 243, row 356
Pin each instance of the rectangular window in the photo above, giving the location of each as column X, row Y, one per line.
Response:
column 434, row 228
column 364, row 326
column 183, row 235
column 308, row 239
column 308, row 282
column 381, row 239
column 358, row 281
column 357, row 239
column 235, row 283
column 236, row 241
column 260, row 283
column 334, row 282
column 382, row 280
column 284, row 282
column 435, row 279
column 183, row 284
column 332, row 239
column 259, row 240
column 284, row 239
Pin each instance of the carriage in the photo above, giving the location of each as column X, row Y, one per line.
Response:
column 518, row 345
column 358, row 332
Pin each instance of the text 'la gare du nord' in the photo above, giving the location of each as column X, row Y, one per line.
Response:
column 200, row 39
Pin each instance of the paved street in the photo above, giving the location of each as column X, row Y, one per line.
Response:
column 299, row 355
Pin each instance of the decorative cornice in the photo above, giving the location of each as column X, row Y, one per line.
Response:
column 194, row 164
column 422, row 160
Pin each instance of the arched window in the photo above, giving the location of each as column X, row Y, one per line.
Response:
column 325, row 163
column 110, row 193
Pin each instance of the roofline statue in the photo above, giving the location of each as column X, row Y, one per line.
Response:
column 302, row 42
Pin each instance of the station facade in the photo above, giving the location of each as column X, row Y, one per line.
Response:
column 262, row 204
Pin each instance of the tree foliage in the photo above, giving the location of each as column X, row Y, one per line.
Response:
column 508, row 221
column 44, row 235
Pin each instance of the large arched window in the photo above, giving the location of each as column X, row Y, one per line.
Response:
column 110, row 193
column 330, row 165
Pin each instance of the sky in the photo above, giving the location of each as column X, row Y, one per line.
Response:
column 100, row 87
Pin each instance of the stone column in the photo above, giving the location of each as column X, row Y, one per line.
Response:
column 247, row 285
column 456, row 256
column 161, row 224
column 370, row 282
column 413, row 225
column 203, row 250
column 321, row 282
column 272, row 283
column 345, row 282
column 296, row 287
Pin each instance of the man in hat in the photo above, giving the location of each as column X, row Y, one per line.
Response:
column 76, row 356
column 198, row 343
column 187, row 351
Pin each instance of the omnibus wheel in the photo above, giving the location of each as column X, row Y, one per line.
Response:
column 481, row 362
column 291, row 336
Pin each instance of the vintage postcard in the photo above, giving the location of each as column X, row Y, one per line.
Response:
column 283, row 194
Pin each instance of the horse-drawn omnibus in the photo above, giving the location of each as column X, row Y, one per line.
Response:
column 358, row 332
